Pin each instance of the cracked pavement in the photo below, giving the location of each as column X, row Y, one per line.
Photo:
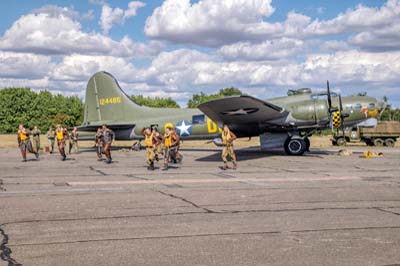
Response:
column 319, row 209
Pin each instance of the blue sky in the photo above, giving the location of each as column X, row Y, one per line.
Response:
column 175, row 48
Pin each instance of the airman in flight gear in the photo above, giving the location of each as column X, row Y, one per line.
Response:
column 36, row 138
column 73, row 143
column 151, row 142
column 50, row 137
column 227, row 147
column 60, row 135
column 24, row 143
column 99, row 143
column 171, row 142
column 108, row 137
column 175, row 156
column 158, row 149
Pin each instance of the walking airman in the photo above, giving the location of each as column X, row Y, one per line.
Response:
column 24, row 142
column 227, row 147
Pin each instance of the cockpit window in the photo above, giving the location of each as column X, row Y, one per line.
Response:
column 198, row 119
column 358, row 106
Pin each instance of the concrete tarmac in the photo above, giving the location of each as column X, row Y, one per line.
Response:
column 317, row 209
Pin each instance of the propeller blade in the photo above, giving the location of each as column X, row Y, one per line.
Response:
column 328, row 92
column 342, row 116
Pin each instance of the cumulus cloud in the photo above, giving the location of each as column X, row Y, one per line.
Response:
column 216, row 23
column 190, row 70
column 360, row 18
column 24, row 66
column 80, row 67
column 384, row 39
column 208, row 22
column 268, row 50
column 58, row 34
column 335, row 46
column 110, row 16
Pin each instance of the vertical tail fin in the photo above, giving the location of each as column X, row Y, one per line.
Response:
column 105, row 101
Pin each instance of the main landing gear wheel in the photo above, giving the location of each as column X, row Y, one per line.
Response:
column 295, row 146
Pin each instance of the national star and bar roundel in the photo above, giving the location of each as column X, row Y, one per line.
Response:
column 184, row 128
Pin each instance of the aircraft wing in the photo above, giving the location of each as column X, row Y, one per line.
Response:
column 241, row 110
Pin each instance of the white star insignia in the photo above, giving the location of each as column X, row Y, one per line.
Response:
column 240, row 111
column 183, row 128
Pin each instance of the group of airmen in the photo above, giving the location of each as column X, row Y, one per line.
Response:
column 61, row 135
column 165, row 145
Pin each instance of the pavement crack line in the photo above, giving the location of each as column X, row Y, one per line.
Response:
column 387, row 211
column 97, row 171
column 5, row 251
column 185, row 200
column 208, row 235
column 223, row 212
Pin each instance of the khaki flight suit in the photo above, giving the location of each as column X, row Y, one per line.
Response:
column 150, row 154
column 51, row 139
column 36, row 139
column 227, row 149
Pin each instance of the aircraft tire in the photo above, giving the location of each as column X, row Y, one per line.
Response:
column 295, row 146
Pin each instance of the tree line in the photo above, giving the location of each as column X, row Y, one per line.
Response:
column 43, row 109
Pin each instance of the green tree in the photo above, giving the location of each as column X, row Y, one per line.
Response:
column 198, row 99
column 24, row 106
column 155, row 102
column 389, row 114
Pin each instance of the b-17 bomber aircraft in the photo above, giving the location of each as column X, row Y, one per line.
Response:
column 286, row 122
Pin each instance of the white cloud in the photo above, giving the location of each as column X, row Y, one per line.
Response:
column 353, row 67
column 268, row 50
column 190, row 71
column 385, row 39
column 42, row 33
column 335, row 46
column 360, row 18
column 80, row 67
column 215, row 23
column 208, row 22
column 24, row 66
column 110, row 16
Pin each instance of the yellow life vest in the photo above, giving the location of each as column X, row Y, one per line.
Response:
column 60, row 135
column 226, row 138
column 22, row 136
column 168, row 141
column 148, row 140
